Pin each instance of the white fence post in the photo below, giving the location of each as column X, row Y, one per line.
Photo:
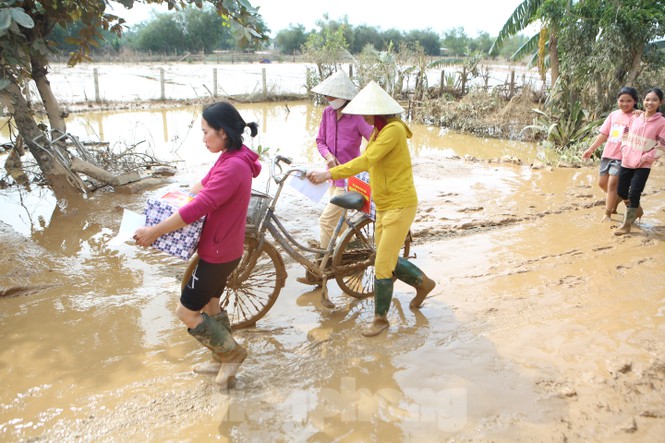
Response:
column 161, row 83
column 95, row 76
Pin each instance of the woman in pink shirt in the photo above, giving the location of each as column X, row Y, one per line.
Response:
column 222, row 196
column 643, row 143
column 612, row 132
column 338, row 141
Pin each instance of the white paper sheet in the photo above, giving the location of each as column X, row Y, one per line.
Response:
column 309, row 189
column 131, row 221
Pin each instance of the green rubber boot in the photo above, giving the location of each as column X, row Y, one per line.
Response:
column 213, row 367
column 383, row 294
column 413, row 276
column 220, row 342
column 628, row 219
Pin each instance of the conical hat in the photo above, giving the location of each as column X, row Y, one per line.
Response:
column 338, row 85
column 373, row 100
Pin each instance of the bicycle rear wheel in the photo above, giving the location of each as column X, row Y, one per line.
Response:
column 253, row 287
column 353, row 260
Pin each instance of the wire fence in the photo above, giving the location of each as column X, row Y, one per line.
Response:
column 114, row 82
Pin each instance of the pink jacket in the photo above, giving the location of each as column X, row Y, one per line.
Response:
column 224, row 200
column 341, row 137
column 644, row 141
column 613, row 128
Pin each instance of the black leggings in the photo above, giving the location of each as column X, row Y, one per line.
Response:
column 207, row 281
column 631, row 184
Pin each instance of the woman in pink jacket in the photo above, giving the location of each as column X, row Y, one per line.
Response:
column 643, row 143
column 222, row 196
column 611, row 133
column 339, row 139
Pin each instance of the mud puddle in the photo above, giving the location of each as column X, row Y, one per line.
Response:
column 543, row 327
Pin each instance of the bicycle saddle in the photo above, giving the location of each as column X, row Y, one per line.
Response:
column 349, row 200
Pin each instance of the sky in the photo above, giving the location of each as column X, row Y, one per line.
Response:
column 442, row 15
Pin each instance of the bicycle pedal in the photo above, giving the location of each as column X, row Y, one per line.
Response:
column 313, row 244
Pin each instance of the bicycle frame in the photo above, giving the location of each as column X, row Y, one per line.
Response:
column 271, row 223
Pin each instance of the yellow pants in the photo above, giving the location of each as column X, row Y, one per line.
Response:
column 391, row 229
column 330, row 216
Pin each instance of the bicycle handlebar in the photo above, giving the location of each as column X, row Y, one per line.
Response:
column 280, row 177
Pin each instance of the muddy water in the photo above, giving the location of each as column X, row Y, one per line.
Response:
column 543, row 325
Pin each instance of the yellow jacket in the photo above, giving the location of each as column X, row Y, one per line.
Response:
column 388, row 162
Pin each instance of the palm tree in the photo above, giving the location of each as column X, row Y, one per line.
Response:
column 549, row 13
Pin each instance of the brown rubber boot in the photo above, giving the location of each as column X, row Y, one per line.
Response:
column 422, row 291
column 231, row 361
column 310, row 279
column 639, row 213
column 628, row 220
column 208, row 368
column 221, row 342
column 412, row 275
column 379, row 325
column 383, row 294
column 213, row 367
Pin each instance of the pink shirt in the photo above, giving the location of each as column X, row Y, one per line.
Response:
column 613, row 128
column 341, row 138
column 224, row 200
column 644, row 141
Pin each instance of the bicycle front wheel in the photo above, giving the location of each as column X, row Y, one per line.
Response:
column 253, row 287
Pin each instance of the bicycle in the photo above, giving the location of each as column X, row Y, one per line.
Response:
column 254, row 286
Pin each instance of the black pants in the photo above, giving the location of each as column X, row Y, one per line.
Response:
column 207, row 281
column 631, row 184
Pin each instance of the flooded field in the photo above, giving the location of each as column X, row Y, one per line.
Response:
column 543, row 326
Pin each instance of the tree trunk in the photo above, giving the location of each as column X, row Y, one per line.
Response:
column 59, row 178
column 635, row 63
column 55, row 115
column 554, row 56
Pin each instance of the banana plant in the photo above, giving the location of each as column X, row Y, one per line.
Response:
column 564, row 128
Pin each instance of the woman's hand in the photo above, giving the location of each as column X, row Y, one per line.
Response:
column 317, row 177
column 145, row 236
column 331, row 161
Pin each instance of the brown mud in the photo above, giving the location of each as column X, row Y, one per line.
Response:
column 544, row 326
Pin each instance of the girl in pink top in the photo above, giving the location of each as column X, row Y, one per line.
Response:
column 222, row 196
column 612, row 132
column 643, row 143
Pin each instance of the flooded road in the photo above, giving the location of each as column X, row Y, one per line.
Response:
column 543, row 326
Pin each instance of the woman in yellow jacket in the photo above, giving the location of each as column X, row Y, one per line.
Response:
column 388, row 162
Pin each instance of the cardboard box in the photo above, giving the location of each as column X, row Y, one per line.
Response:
column 181, row 243
column 360, row 183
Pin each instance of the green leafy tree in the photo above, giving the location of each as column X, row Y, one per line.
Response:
column 428, row 40
column 162, row 34
column 326, row 48
column 456, row 42
column 26, row 41
column 391, row 38
column 203, row 29
column 549, row 13
column 482, row 43
column 363, row 36
column 291, row 40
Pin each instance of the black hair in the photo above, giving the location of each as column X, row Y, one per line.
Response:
column 658, row 92
column 223, row 115
column 630, row 91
